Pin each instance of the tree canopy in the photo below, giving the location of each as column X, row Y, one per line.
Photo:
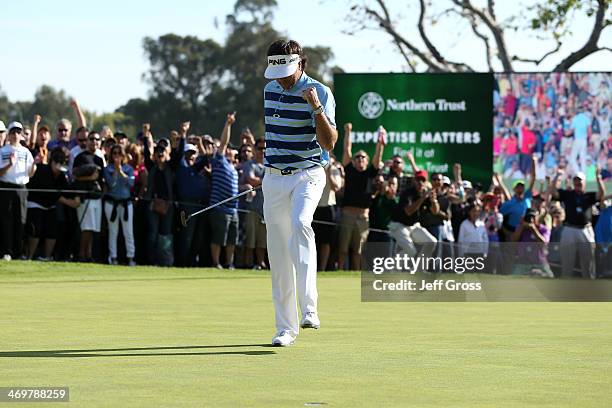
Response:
column 545, row 20
column 191, row 79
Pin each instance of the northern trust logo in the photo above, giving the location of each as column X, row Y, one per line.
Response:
column 371, row 105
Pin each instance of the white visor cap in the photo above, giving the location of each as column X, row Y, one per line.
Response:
column 282, row 66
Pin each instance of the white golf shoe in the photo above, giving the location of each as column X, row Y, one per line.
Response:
column 310, row 321
column 283, row 339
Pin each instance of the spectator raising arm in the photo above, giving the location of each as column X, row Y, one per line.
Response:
column 227, row 129
column 32, row 142
column 532, row 177
column 457, row 174
column 148, row 145
column 79, row 113
column 178, row 152
column 347, row 153
column 504, row 189
column 413, row 164
column 553, row 188
column 336, row 182
column 601, row 188
column 380, row 147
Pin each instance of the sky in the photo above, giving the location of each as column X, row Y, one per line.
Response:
column 93, row 49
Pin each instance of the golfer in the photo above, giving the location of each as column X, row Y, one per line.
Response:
column 300, row 132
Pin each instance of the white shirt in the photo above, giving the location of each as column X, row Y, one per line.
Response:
column 18, row 173
column 473, row 238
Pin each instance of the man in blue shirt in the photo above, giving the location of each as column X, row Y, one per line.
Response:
column 514, row 209
column 580, row 126
column 193, row 192
column 300, row 132
column 224, row 218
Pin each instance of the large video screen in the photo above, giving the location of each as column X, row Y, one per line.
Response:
column 563, row 120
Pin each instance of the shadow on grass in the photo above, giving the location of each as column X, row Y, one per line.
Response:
column 122, row 352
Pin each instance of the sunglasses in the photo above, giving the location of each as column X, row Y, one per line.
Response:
column 62, row 130
column 397, row 162
column 94, row 139
column 82, row 140
column 16, row 131
column 360, row 157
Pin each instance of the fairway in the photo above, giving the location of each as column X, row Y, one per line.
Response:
column 149, row 337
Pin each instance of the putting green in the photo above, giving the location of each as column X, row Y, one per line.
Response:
column 146, row 337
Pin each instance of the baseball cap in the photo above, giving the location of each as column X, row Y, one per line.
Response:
column 421, row 173
column 517, row 182
column 580, row 175
column 466, row 184
column 281, row 66
column 190, row 148
column 15, row 125
column 446, row 180
column 2, row 127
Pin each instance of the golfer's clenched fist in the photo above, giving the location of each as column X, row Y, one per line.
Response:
column 311, row 97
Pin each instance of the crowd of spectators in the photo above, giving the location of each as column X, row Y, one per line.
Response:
column 99, row 196
column 561, row 120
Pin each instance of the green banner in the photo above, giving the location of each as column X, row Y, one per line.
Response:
column 441, row 118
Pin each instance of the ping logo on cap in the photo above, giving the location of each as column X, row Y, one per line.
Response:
column 281, row 61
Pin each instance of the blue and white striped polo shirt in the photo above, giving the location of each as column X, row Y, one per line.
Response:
column 291, row 140
column 224, row 184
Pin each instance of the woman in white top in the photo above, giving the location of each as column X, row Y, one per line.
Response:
column 473, row 238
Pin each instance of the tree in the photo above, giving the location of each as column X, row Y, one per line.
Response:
column 250, row 33
column 183, row 72
column 51, row 104
column 201, row 81
column 549, row 20
column 5, row 107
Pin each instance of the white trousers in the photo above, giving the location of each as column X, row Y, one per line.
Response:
column 289, row 205
column 113, row 229
column 577, row 157
column 406, row 237
column 577, row 240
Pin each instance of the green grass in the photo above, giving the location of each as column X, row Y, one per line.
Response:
column 147, row 337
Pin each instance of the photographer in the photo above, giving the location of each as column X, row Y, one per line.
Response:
column 533, row 235
column 405, row 225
